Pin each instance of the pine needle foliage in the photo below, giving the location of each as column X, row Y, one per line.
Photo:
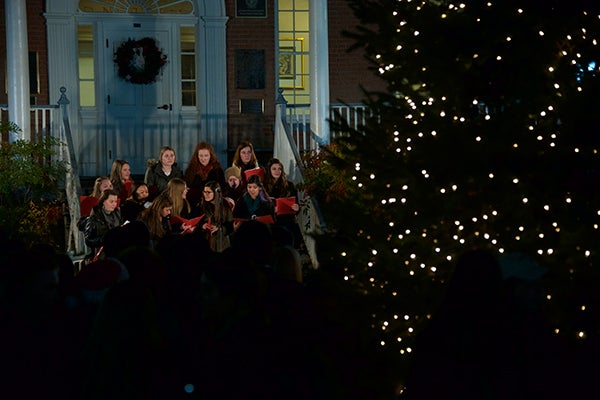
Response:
column 486, row 137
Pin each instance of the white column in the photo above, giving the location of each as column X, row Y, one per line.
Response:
column 213, row 83
column 61, row 32
column 17, row 65
column 319, row 69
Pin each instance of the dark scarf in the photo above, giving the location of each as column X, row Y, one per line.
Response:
column 111, row 218
column 277, row 189
column 252, row 204
column 203, row 171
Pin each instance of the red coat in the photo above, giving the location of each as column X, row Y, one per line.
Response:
column 86, row 203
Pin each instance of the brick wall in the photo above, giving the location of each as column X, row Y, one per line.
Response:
column 347, row 70
column 250, row 34
column 36, row 39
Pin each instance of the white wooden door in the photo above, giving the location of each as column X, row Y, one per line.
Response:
column 139, row 117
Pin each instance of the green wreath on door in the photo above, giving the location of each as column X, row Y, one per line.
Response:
column 139, row 61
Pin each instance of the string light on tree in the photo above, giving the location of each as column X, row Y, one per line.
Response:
column 488, row 143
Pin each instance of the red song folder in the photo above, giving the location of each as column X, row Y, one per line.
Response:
column 284, row 205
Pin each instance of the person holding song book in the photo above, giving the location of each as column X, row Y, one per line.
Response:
column 177, row 190
column 255, row 204
column 157, row 217
column 277, row 184
column 103, row 217
column 245, row 159
column 285, row 195
column 217, row 221
column 204, row 166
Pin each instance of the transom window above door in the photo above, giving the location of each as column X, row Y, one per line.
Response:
column 138, row 6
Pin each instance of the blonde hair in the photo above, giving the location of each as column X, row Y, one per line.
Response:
column 175, row 189
column 163, row 150
column 96, row 192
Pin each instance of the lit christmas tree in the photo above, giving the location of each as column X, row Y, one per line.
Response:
column 486, row 138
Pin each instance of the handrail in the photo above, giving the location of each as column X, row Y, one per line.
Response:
column 297, row 116
column 75, row 241
column 286, row 149
column 53, row 119
column 42, row 119
column 300, row 165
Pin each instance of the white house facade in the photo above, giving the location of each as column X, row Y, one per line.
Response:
column 132, row 121
column 208, row 88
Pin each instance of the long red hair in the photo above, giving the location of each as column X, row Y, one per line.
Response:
column 194, row 166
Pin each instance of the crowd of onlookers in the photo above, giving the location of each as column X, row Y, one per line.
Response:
column 175, row 319
column 178, row 320
column 194, row 289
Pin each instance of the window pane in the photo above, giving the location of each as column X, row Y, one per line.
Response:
column 301, row 21
column 301, row 4
column 286, row 4
column 187, row 43
column 87, row 94
column 86, row 66
column 85, row 49
column 293, row 48
column 188, row 93
column 285, row 20
column 188, row 66
column 187, row 47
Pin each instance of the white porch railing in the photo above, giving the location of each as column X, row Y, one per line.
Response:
column 285, row 148
column 44, row 119
column 53, row 120
column 297, row 116
column 293, row 137
column 354, row 115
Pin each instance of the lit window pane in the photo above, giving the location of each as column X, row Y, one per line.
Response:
column 85, row 49
column 301, row 19
column 86, row 66
column 87, row 94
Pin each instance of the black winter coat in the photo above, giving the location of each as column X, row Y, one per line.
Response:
column 96, row 226
column 156, row 179
column 194, row 195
